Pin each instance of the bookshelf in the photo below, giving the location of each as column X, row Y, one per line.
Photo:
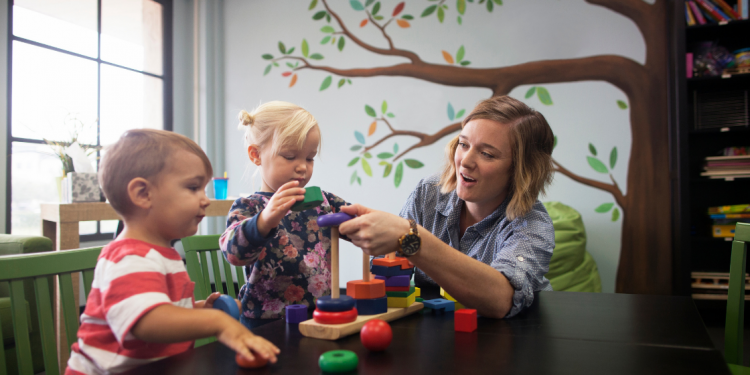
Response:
column 710, row 113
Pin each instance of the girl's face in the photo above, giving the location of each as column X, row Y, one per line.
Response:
column 483, row 162
column 290, row 164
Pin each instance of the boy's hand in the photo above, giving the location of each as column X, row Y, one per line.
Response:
column 208, row 302
column 244, row 342
column 281, row 202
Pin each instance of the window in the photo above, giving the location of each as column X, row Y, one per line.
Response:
column 99, row 66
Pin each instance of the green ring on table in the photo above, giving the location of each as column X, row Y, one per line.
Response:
column 338, row 361
column 326, row 317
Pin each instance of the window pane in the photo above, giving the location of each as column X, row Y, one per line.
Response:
column 69, row 24
column 36, row 172
column 132, row 34
column 49, row 88
column 129, row 100
column 86, row 227
column 108, row 226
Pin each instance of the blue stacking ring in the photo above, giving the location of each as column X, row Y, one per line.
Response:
column 328, row 304
column 332, row 220
column 228, row 305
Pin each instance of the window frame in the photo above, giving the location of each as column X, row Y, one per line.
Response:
column 166, row 77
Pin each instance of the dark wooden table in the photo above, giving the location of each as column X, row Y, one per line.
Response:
column 561, row 333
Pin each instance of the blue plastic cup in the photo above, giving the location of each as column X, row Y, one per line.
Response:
column 220, row 187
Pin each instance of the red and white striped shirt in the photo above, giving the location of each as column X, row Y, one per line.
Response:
column 131, row 278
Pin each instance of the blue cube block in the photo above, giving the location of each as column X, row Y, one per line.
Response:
column 372, row 306
column 296, row 313
column 390, row 271
column 440, row 304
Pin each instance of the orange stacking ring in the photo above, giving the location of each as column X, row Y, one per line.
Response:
column 360, row 289
column 327, row 317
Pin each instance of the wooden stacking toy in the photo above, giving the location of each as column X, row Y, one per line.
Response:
column 396, row 272
column 334, row 309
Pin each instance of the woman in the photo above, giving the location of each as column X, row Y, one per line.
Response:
column 484, row 205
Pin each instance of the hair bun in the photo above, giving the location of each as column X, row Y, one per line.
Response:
column 245, row 118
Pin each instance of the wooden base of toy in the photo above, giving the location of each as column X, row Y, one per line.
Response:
column 312, row 329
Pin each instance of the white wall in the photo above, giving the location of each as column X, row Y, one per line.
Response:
column 517, row 32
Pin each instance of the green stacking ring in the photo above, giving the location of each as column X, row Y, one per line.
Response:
column 313, row 198
column 338, row 361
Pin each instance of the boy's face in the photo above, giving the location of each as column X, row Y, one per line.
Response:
column 179, row 196
column 290, row 164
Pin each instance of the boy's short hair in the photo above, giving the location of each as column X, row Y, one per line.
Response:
column 140, row 153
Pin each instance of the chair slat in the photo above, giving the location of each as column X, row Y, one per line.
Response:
column 217, row 272
column 734, row 329
column 46, row 328
column 228, row 277
column 21, row 328
column 3, row 370
column 70, row 308
column 88, row 279
column 240, row 276
column 204, row 270
column 194, row 271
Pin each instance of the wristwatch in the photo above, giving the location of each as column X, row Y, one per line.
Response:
column 410, row 243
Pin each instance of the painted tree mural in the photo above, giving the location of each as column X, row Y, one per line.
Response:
column 645, row 257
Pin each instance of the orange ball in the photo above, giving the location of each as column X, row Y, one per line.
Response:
column 244, row 363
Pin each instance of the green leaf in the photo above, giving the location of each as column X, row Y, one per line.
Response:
column 388, row 169
column 461, row 6
column 275, row 64
column 326, row 40
column 320, row 15
column 368, row 2
column 376, row 8
column 349, row 81
column 267, row 56
column 407, row 17
column 622, row 105
column 368, row 155
column 333, row 40
column 615, row 214
column 498, row 2
column 460, row 54
column 399, row 174
column 268, row 69
column 354, row 161
column 460, row 114
column 395, row 148
column 429, row 10
column 360, row 137
column 282, row 48
column 490, row 6
column 316, row 56
column 290, row 65
column 326, row 83
column 391, row 115
column 385, row 155
column 355, row 148
column 341, row 82
column 356, row 5
column 384, row 107
column 313, row 3
column 327, row 29
column 305, row 48
column 370, row 111
column 596, row 164
column 415, row 164
column 289, row 52
column 604, row 208
column 342, row 40
column 378, row 17
column 531, row 92
column 354, row 178
column 592, row 149
column 359, row 181
column 465, row 62
column 366, row 167
column 451, row 113
column 613, row 158
column 554, row 144
column 328, row 19
column 441, row 14
column 543, row 95
column 459, row 20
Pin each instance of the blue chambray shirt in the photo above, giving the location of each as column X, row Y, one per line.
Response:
column 521, row 249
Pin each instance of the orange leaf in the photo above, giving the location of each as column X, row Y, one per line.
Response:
column 403, row 23
column 286, row 74
column 448, row 58
column 294, row 80
column 373, row 127
column 398, row 9
column 363, row 23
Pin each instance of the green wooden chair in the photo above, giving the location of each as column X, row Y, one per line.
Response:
column 734, row 330
column 39, row 268
column 196, row 248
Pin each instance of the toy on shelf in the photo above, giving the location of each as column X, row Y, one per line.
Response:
column 228, row 305
column 465, row 320
column 376, row 335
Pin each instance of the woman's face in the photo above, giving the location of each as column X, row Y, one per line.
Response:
column 483, row 163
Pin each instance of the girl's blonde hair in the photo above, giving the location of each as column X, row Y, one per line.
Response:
column 531, row 148
column 283, row 124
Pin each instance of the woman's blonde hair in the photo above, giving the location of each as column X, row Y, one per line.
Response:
column 531, row 149
column 283, row 124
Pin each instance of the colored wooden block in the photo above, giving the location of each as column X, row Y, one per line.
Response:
column 296, row 313
column 401, row 301
column 440, row 304
column 406, row 265
column 419, row 299
column 327, row 303
column 372, row 306
column 340, row 317
column 386, row 262
column 418, row 291
column 310, row 328
column 390, row 271
column 465, row 320
column 447, row 296
column 401, row 280
column 313, row 198
column 360, row 289
column 398, row 288
column 407, row 293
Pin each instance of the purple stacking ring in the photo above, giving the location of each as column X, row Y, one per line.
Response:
column 332, row 220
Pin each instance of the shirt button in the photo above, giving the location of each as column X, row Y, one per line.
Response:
column 520, row 259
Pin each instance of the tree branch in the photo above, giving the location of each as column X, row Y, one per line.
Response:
column 611, row 188
column 382, row 29
column 424, row 138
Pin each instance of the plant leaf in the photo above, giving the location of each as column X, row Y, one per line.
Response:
column 407, row 17
column 327, row 29
column 267, row 56
column 398, row 9
column 282, row 48
column 465, row 62
column 384, row 107
column 460, row 54
column 604, row 208
column 388, row 168
column 543, row 95
column 275, row 64
column 399, row 174
column 385, row 155
column 461, row 6
column 356, row 5
column 459, row 22
column 293, row 81
column 391, row 115
column 489, row 6
column 313, row 3
column 289, row 52
column 460, row 114
column 326, row 83
column 360, row 137
column 395, row 148
column 363, row 23
column 354, row 161
column 615, row 214
column 328, row 19
column 429, row 10
column 368, row 3
column 354, row 178
column 366, row 167
column 370, row 112
column 404, row 24
column 415, row 164
column 342, row 41
column 290, row 65
column 319, row 15
column 326, row 40
column 349, row 81
column 592, row 149
column 341, row 82
column 376, row 8
column 441, row 14
column 499, row 2
column 359, row 181
column 531, row 92
column 268, row 69
column 316, row 56
column 447, row 56
column 451, row 113
column 378, row 17
column 355, row 148
column 368, row 155
column 373, row 127
column 596, row 164
column 613, row 158
column 622, row 105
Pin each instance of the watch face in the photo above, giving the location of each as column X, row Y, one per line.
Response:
column 410, row 244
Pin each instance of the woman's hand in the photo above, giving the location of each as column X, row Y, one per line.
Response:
column 281, row 202
column 375, row 232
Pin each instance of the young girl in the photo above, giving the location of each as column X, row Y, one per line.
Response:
column 286, row 255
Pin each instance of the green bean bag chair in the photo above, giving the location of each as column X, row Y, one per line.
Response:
column 572, row 268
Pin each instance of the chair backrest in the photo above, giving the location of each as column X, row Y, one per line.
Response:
column 39, row 268
column 736, row 296
column 196, row 248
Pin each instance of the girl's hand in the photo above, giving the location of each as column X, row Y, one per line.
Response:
column 375, row 232
column 244, row 342
column 281, row 202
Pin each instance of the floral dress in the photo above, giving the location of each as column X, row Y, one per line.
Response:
column 291, row 265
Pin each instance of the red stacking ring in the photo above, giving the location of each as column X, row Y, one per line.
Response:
column 327, row 317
